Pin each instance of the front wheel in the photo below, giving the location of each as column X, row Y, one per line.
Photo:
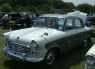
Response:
column 50, row 58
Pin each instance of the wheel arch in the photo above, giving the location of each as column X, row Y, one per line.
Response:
column 55, row 49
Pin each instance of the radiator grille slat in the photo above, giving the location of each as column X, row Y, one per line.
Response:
column 19, row 48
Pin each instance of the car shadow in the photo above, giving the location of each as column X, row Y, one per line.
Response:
column 65, row 61
column 11, row 64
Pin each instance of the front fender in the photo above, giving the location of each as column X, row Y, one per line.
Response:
column 52, row 46
column 91, row 51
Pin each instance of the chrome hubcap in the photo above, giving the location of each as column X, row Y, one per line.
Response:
column 50, row 58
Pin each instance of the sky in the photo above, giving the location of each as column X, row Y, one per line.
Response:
column 76, row 2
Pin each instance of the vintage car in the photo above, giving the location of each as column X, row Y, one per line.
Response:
column 19, row 20
column 90, row 58
column 51, row 35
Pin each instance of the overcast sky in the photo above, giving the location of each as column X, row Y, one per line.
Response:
column 76, row 2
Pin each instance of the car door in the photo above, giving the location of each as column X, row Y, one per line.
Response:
column 79, row 27
column 69, row 41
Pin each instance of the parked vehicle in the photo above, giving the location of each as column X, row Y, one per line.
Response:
column 27, row 19
column 1, row 23
column 89, row 18
column 17, row 20
column 50, row 35
column 88, row 21
column 90, row 58
column 1, row 19
column 92, row 18
column 10, row 19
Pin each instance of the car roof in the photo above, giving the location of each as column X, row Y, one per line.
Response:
column 54, row 15
column 58, row 15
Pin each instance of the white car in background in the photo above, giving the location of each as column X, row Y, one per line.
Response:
column 90, row 57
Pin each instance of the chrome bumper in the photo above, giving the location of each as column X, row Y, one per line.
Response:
column 21, row 56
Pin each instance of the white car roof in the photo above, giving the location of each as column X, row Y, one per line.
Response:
column 79, row 14
column 54, row 15
column 59, row 15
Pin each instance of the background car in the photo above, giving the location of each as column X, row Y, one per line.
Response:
column 18, row 20
column 27, row 19
column 90, row 57
column 1, row 19
column 92, row 18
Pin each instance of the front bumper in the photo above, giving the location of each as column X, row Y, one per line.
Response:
column 21, row 56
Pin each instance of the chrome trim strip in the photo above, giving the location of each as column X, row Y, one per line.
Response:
column 19, row 44
column 32, row 59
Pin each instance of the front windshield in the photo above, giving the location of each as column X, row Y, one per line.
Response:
column 49, row 22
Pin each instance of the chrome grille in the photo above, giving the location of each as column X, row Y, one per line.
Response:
column 18, row 47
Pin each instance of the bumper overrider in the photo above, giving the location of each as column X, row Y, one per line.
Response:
column 21, row 56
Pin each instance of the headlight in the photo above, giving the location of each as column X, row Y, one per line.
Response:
column 34, row 46
column 90, row 60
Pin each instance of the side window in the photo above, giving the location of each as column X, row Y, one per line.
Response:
column 69, row 24
column 60, row 23
column 78, row 23
column 50, row 22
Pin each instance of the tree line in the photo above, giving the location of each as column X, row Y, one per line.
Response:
column 44, row 6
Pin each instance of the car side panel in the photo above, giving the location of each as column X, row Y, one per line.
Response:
column 65, row 43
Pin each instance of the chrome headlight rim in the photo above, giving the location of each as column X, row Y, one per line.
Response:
column 90, row 60
column 34, row 44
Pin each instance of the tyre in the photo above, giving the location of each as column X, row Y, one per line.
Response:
column 50, row 58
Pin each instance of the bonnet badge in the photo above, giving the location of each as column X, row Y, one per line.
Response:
column 17, row 38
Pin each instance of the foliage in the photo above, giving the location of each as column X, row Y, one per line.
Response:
column 85, row 8
column 42, row 6
column 6, row 7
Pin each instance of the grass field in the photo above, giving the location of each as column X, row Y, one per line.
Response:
column 71, row 60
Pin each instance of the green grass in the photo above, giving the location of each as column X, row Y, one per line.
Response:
column 3, row 58
column 71, row 60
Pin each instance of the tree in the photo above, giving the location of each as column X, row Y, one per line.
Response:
column 58, row 4
column 6, row 7
column 68, row 7
column 87, row 8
